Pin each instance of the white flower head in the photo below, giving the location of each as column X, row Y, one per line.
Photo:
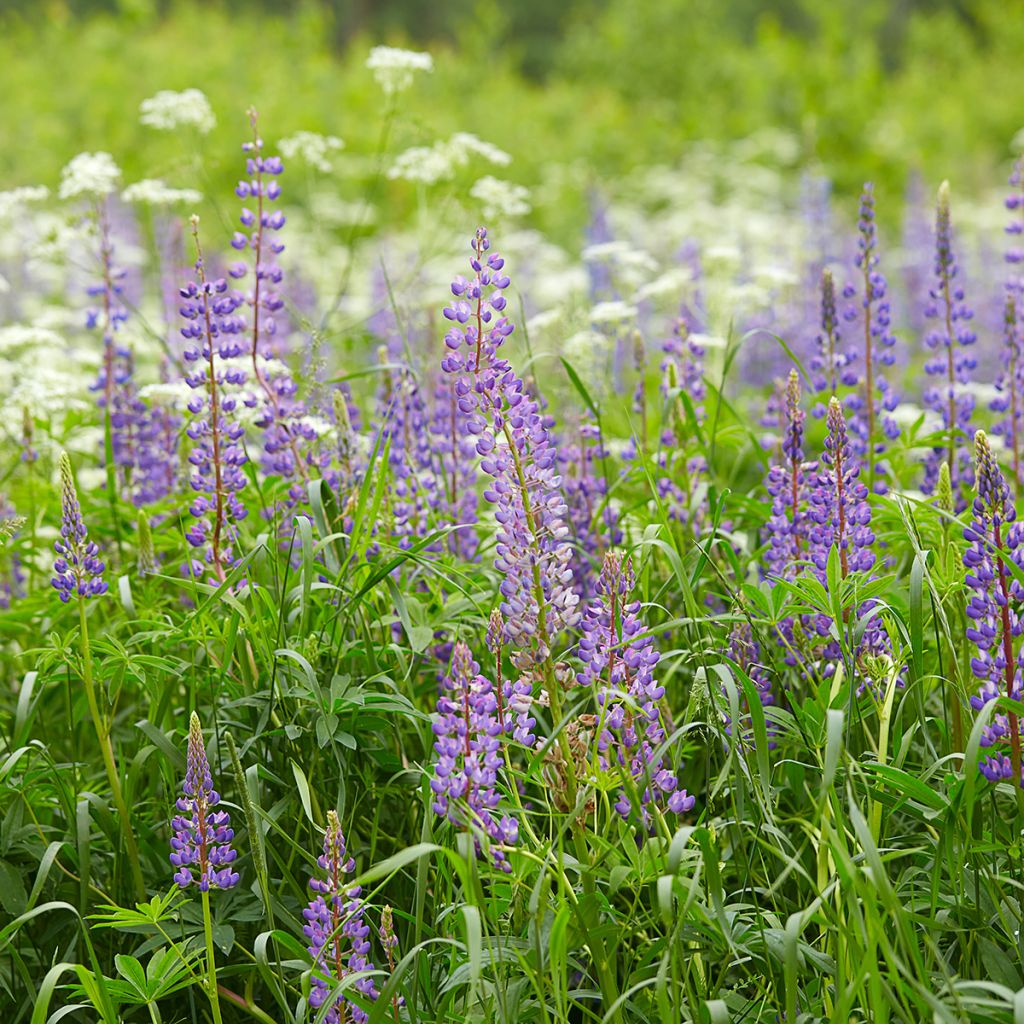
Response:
column 465, row 146
column 14, row 199
column 169, row 110
column 394, row 68
column 612, row 312
column 428, row 165
column 315, row 149
column 501, row 198
column 89, row 174
column 154, row 192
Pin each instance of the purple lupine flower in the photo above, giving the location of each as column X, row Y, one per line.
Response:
column 592, row 519
column 871, row 424
column 1010, row 385
column 468, row 756
column 950, row 342
column 514, row 699
column 683, row 373
column 338, row 936
column 288, row 437
column 619, row 661
column 788, row 525
column 513, row 439
column 831, row 364
column 1015, row 229
column 745, row 651
column 838, row 507
column 214, row 332
column 455, row 451
column 405, row 423
column 201, row 847
column 995, row 538
column 77, row 568
column 12, row 574
column 389, row 942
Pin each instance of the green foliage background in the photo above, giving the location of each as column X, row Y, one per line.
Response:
column 871, row 89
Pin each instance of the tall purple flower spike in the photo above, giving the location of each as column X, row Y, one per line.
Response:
column 214, row 333
column 1010, row 386
column 619, row 661
column 870, row 425
column 788, row 483
column 517, row 451
column 995, row 538
column 338, row 936
column 951, row 344
column 468, row 756
column 77, row 569
column 838, row 510
column 201, row 845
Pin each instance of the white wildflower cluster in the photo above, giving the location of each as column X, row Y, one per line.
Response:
column 89, row 174
column 313, row 148
column 154, row 192
column 15, row 199
column 612, row 313
column 427, row 165
column 394, row 68
column 500, row 198
column 168, row 110
column 21, row 336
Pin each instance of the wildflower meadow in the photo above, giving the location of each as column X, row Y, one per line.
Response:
column 430, row 594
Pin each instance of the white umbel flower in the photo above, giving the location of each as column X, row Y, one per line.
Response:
column 612, row 312
column 394, row 68
column 315, row 149
column 14, row 199
column 89, row 174
column 427, row 165
column 169, row 110
column 501, row 198
column 154, row 192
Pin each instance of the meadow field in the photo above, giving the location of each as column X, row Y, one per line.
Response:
column 508, row 515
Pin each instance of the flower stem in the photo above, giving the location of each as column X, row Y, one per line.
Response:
column 107, row 750
column 211, row 965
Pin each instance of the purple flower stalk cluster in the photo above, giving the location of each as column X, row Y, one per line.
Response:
column 415, row 490
column 201, row 847
column 467, row 746
column 838, row 509
column 876, row 398
column 995, row 538
column 1015, row 229
column 788, row 484
column 593, row 521
column 515, row 700
column 514, row 442
column 951, row 342
column 338, row 936
column 619, row 661
column 215, row 335
column 831, row 365
column 77, row 568
column 454, row 450
column 1010, row 386
column 745, row 651
column 288, row 438
column 683, row 373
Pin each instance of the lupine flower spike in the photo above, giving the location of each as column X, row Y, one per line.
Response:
column 951, row 343
column 876, row 398
column 78, row 568
column 338, row 936
column 468, row 755
column 995, row 538
column 201, row 847
column 619, row 659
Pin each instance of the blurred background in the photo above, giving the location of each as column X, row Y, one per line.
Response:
column 879, row 89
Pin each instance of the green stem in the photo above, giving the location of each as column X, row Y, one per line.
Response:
column 211, row 966
column 107, row 750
